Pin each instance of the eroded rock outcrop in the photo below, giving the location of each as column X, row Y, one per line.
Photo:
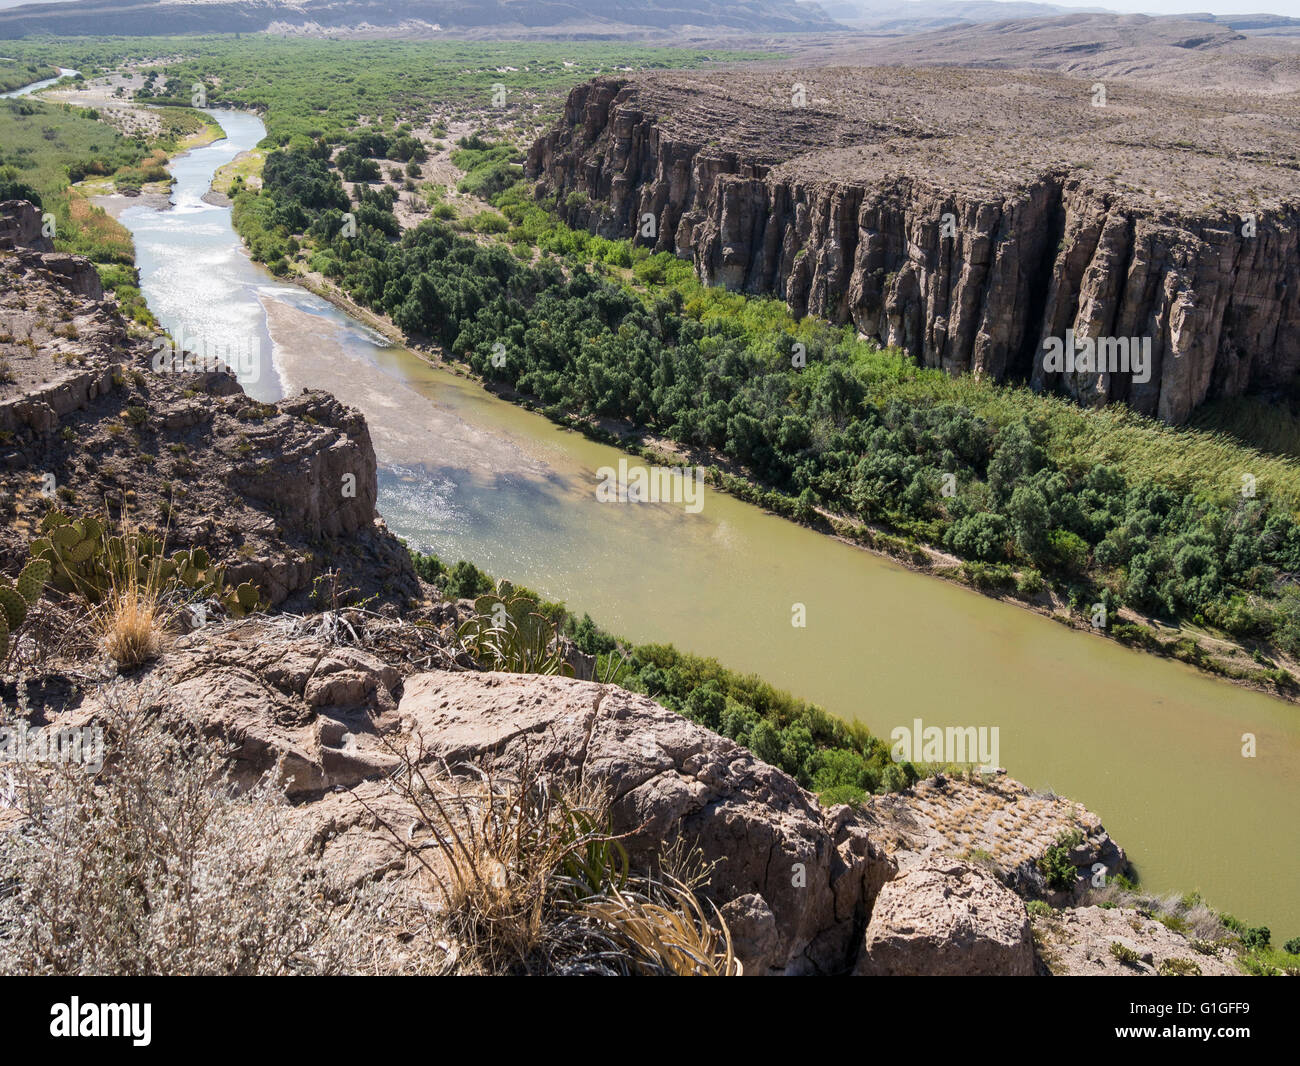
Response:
column 21, row 227
column 797, row 880
column 947, row 918
column 963, row 217
column 816, row 871
column 332, row 707
column 281, row 494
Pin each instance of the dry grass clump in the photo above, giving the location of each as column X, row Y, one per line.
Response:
column 155, row 866
column 1188, row 914
column 129, row 620
column 534, row 882
column 673, row 936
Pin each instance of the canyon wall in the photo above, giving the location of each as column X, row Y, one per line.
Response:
column 969, row 276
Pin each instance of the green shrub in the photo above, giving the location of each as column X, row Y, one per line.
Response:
column 1055, row 864
column 1124, row 954
column 1252, row 938
column 465, row 581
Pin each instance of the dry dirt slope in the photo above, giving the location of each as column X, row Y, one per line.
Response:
column 1181, row 54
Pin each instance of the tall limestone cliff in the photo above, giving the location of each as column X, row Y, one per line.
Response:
column 965, row 216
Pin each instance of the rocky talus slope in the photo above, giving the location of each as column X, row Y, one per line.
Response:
column 329, row 702
column 966, row 216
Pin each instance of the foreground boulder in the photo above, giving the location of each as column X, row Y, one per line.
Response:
column 799, row 879
column 947, row 918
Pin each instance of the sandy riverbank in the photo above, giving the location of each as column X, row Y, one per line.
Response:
column 115, row 203
column 409, row 427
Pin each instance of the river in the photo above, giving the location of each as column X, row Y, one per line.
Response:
column 36, row 86
column 1154, row 747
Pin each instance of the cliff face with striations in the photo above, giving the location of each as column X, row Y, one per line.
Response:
column 964, row 217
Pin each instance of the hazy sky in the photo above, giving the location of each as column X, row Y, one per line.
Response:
column 1178, row 7
column 1150, row 7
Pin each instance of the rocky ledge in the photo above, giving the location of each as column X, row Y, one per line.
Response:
column 328, row 708
column 965, row 216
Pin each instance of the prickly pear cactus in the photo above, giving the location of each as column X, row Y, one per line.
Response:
column 242, row 600
column 509, row 634
column 85, row 558
column 77, row 554
column 16, row 598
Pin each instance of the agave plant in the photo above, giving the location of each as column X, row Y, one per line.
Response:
column 507, row 633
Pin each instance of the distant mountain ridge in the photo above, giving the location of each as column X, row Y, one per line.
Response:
column 919, row 16
column 555, row 18
column 484, row 17
column 903, row 16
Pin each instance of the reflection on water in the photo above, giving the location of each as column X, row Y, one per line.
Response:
column 1152, row 746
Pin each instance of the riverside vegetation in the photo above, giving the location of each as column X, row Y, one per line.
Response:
column 316, row 88
column 571, row 899
column 47, row 149
column 14, row 74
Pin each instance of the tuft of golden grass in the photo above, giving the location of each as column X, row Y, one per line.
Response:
column 534, row 882
column 129, row 620
column 128, row 624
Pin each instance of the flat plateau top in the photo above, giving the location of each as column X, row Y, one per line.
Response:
column 991, row 130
